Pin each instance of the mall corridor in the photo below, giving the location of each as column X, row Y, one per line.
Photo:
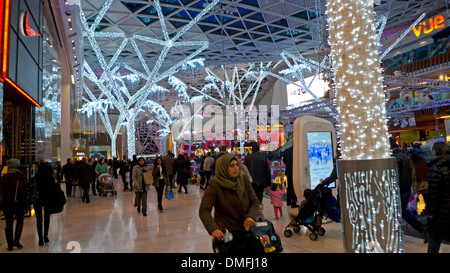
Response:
column 112, row 225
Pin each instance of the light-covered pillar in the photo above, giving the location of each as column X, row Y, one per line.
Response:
column 371, row 214
column 66, row 121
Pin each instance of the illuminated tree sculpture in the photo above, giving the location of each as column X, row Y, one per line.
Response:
column 126, row 103
column 367, row 173
column 236, row 93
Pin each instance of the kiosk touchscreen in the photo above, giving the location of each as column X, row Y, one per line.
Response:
column 314, row 151
column 320, row 153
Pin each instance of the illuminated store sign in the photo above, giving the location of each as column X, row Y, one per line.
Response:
column 430, row 25
column 25, row 28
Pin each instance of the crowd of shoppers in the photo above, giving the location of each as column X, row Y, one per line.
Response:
column 233, row 189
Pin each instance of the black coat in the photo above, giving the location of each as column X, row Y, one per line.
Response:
column 288, row 159
column 67, row 171
column 404, row 171
column 84, row 174
column 44, row 186
column 438, row 199
column 181, row 166
column 259, row 169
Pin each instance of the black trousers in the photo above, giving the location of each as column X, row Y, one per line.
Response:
column 291, row 197
column 85, row 196
column 259, row 190
column 202, row 178
column 171, row 180
column 207, row 177
column 11, row 211
column 183, row 182
column 69, row 187
column 124, row 181
column 160, row 191
column 38, row 207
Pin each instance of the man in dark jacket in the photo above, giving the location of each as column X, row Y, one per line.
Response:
column 405, row 182
column 124, row 169
column 84, row 174
column 438, row 199
column 288, row 159
column 67, row 171
column 259, row 169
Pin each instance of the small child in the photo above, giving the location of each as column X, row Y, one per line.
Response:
column 260, row 213
column 275, row 197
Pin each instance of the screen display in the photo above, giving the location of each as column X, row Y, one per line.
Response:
column 296, row 94
column 320, row 150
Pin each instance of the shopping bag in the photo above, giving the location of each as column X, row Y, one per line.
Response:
column 169, row 194
column 148, row 178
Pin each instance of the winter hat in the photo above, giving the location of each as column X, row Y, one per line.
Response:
column 13, row 163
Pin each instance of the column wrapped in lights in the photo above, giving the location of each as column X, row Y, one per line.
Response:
column 367, row 173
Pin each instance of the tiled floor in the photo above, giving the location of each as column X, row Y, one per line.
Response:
column 112, row 225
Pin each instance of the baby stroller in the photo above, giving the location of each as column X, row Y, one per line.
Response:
column 106, row 184
column 311, row 212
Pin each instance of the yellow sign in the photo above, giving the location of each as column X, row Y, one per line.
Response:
column 428, row 26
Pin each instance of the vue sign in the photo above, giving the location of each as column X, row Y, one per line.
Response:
column 429, row 26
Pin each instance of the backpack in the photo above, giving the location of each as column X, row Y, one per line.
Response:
column 56, row 200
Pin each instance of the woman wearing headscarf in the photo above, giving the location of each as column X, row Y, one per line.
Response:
column 233, row 198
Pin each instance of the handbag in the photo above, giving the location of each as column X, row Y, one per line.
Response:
column 169, row 194
column 57, row 200
column 148, row 178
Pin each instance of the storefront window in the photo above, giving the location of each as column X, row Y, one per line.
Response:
column 48, row 116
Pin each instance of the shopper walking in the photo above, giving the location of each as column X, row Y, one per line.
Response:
column 259, row 169
column 85, row 175
column 12, row 189
column 288, row 158
column 201, row 171
column 45, row 182
column 139, row 188
column 438, row 201
column 67, row 171
column 169, row 163
column 182, row 167
column 160, row 180
column 208, row 167
column 232, row 197
column 124, row 169
column 405, row 184
column 93, row 163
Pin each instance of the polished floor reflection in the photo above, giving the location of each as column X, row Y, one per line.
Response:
column 112, row 225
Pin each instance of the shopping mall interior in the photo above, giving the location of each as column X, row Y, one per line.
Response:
column 118, row 79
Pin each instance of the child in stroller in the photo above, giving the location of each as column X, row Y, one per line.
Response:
column 106, row 184
column 310, row 212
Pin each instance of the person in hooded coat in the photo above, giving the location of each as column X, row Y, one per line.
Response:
column 232, row 197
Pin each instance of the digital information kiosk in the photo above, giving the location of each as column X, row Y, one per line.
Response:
column 314, row 150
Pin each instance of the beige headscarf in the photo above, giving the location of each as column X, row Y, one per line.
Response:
column 224, row 179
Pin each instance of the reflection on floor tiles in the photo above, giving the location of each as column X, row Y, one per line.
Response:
column 112, row 225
